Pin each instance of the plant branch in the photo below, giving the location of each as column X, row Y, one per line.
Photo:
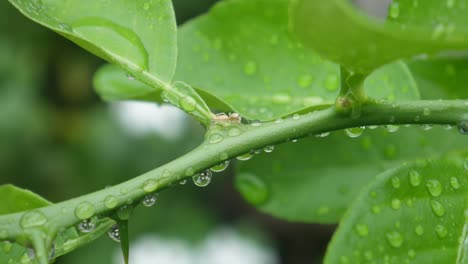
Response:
column 224, row 144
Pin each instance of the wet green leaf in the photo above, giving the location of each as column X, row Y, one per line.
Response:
column 229, row 61
column 316, row 179
column 340, row 32
column 421, row 219
column 139, row 36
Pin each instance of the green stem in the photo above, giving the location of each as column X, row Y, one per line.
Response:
column 352, row 93
column 231, row 145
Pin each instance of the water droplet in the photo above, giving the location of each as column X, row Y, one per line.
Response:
column 130, row 77
column 395, row 239
column 203, row 178
column 411, row 253
column 245, row 156
column 256, row 123
column 344, row 260
column 354, row 132
column 394, row 10
column 252, row 188
column 463, row 127
column 110, row 201
column 441, row 231
column 376, row 209
column 332, row 82
column 188, row 104
column 269, row 148
column 426, row 127
column 448, row 127
column 215, row 138
column 372, row 127
column 396, row 182
column 149, row 200
column 392, row 128
column 146, row 6
column 434, row 187
column 84, row 210
column 150, row 186
column 7, row 246
column 305, row 81
column 87, row 226
column 465, row 164
column 294, row 140
column 124, row 212
column 220, row 167
column 296, row 116
column 455, row 183
column 419, row 230
column 33, row 219
column 250, row 68
column 396, row 204
column 323, row 210
column 322, row 135
column 437, row 208
column 234, row 132
column 362, row 230
column 114, row 233
column 415, row 178
column 183, row 182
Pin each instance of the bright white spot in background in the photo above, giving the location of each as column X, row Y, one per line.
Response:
column 222, row 246
column 143, row 118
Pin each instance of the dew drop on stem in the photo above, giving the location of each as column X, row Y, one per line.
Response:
column 87, row 226
column 114, row 233
column 203, row 178
column 220, row 167
column 149, row 200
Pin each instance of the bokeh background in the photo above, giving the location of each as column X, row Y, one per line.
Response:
column 58, row 139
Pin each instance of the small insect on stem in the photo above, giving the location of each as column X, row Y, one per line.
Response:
column 232, row 117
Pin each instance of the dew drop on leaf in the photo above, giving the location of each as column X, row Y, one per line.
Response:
column 426, row 127
column 419, row 230
column 150, row 186
column 434, row 188
column 394, row 10
column 114, row 233
column 395, row 239
column 33, row 219
column 455, row 183
column 392, row 128
column 203, row 178
column 234, row 132
column 304, row 81
column 323, row 135
column 110, row 201
column 376, row 209
column 396, row 204
column 411, row 253
column 437, row 208
column 463, row 127
column 354, row 132
column 269, row 148
column 220, row 167
column 252, row 188
column 183, row 182
column 256, row 123
column 87, row 226
column 250, row 68
column 149, row 200
column 441, row 231
column 415, row 178
column 245, row 156
column 84, row 210
column 396, row 182
column 465, row 164
column 188, row 104
column 362, row 230
column 215, row 138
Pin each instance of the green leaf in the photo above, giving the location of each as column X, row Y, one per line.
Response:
column 340, row 32
column 15, row 200
column 112, row 84
column 443, row 78
column 240, row 55
column 139, row 36
column 316, row 179
column 411, row 214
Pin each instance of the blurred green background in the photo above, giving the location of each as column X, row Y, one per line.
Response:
column 58, row 139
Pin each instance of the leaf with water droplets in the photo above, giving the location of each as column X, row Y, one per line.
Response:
column 421, row 229
column 316, row 180
column 142, row 41
column 345, row 35
column 262, row 72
